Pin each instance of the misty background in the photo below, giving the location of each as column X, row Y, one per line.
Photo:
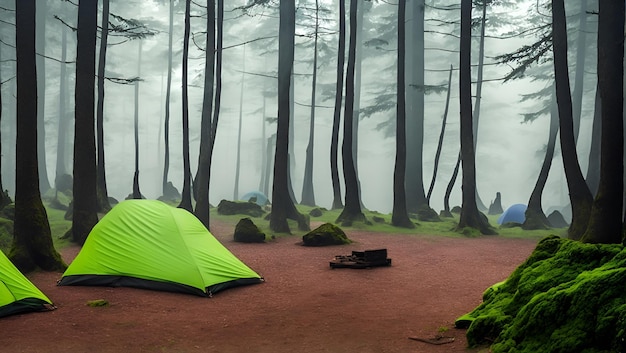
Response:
column 509, row 151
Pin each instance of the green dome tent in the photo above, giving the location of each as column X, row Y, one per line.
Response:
column 149, row 244
column 17, row 293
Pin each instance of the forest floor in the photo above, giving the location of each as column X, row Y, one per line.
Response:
column 304, row 305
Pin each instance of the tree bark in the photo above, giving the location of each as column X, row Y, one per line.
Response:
column 185, row 201
column 580, row 196
column 32, row 241
column 102, row 194
column 415, row 196
column 168, row 91
column 470, row 216
column 308, row 194
column 85, row 200
column 282, row 204
column 605, row 221
column 136, row 191
column 399, row 215
column 535, row 217
column 204, row 163
column 441, row 136
column 61, row 166
column 334, row 144
column 40, row 43
column 593, row 167
column 352, row 209
column 239, row 129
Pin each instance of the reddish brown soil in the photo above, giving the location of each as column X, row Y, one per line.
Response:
column 304, row 306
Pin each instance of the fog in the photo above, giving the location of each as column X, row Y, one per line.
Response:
column 508, row 156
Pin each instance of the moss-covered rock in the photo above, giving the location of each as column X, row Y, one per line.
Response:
column 316, row 212
column 247, row 232
column 324, row 235
column 566, row 297
column 427, row 214
column 456, row 209
column 557, row 220
column 378, row 219
column 251, row 209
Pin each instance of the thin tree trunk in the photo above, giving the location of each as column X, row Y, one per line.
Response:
column 581, row 55
column 580, row 196
column 605, row 221
column 352, row 210
column 535, row 217
column 479, row 89
column 61, row 166
column 334, row 144
column 357, row 96
column 201, row 185
column 168, row 91
column 102, row 194
column 399, row 215
column 593, row 167
column 40, row 42
column 441, row 135
column 136, row 191
column 238, row 159
column 308, row 194
column 446, row 198
column 470, row 216
column 185, row 201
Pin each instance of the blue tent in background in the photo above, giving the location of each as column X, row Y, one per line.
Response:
column 515, row 213
column 261, row 199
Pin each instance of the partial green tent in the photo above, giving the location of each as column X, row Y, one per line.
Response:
column 149, row 244
column 17, row 293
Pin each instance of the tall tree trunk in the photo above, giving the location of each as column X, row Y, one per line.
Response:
column 204, row 157
column 136, row 191
column 399, row 215
column 479, row 89
column 579, row 80
column 40, row 43
column 238, row 159
column 32, row 240
column 358, row 60
column 441, row 135
column 282, row 204
column 535, row 217
column 416, row 197
column 185, row 201
column 334, row 143
column 61, row 163
column 102, row 193
column 593, row 167
column 470, row 216
column 446, row 198
column 580, row 196
column 4, row 197
column 308, row 194
column 264, row 159
column 168, row 91
column 85, row 201
column 605, row 221
column 352, row 210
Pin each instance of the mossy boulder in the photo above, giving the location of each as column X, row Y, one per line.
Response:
column 456, row 209
column 378, row 219
column 316, row 212
column 324, row 235
column 251, row 209
column 247, row 232
column 566, row 297
column 427, row 214
column 170, row 193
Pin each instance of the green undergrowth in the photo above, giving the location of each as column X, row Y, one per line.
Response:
column 566, row 297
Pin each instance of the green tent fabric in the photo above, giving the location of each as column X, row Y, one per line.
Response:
column 17, row 293
column 149, row 244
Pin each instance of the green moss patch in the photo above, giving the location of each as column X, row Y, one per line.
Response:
column 566, row 297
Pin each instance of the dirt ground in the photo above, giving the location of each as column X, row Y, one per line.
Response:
column 304, row 306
